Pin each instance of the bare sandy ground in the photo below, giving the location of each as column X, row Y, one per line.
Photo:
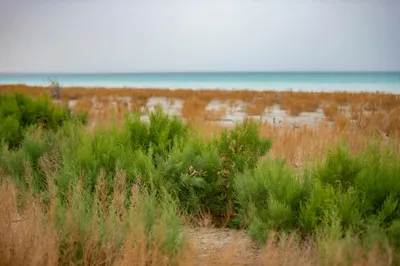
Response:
column 215, row 246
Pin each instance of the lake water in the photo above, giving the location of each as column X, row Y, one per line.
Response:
column 296, row 81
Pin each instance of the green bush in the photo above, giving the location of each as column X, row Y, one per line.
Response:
column 149, row 220
column 269, row 198
column 24, row 164
column 193, row 173
column 159, row 135
column 90, row 154
column 242, row 147
column 360, row 190
column 79, row 165
column 346, row 196
column 18, row 112
column 239, row 149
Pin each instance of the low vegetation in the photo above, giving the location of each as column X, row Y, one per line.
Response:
column 126, row 195
column 18, row 112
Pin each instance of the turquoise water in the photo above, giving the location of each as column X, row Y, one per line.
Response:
column 296, row 81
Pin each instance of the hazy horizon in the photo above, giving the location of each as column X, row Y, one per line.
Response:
column 189, row 36
column 209, row 72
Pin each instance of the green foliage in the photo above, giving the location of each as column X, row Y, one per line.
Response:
column 340, row 169
column 242, row 147
column 346, row 196
column 269, row 198
column 24, row 164
column 150, row 220
column 194, row 174
column 18, row 112
column 239, row 149
column 360, row 190
column 157, row 136
column 91, row 155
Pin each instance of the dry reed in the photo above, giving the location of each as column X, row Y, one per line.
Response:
column 30, row 237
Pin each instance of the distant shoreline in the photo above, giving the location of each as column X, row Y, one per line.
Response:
column 199, row 90
column 363, row 82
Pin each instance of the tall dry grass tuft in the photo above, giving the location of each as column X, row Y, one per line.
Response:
column 297, row 102
column 341, row 121
column 215, row 115
column 330, row 111
column 257, row 107
column 27, row 236
column 83, row 105
column 194, row 108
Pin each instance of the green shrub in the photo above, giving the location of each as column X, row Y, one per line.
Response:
column 18, row 112
column 346, row 194
column 269, row 198
column 159, row 135
column 358, row 189
column 193, row 173
column 89, row 154
column 151, row 219
column 379, row 181
column 23, row 165
column 242, row 147
column 239, row 149
column 340, row 168
column 346, row 197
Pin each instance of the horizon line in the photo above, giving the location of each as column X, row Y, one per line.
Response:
column 206, row 72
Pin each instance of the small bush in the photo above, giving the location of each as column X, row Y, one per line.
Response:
column 18, row 112
column 356, row 190
column 269, row 198
column 193, row 173
column 340, row 168
column 239, row 149
column 24, row 164
column 242, row 147
column 157, row 136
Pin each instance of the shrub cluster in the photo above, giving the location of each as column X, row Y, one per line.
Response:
column 346, row 195
column 162, row 155
column 18, row 112
column 176, row 172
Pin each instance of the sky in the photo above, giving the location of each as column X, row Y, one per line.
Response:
column 199, row 35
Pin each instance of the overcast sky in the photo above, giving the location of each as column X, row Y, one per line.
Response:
column 198, row 35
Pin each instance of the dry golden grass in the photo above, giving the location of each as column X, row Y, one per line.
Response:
column 29, row 90
column 137, row 104
column 308, row 144
column 214, row 115
column 341, row 121
column 83, row 105
column 330, row 111
column 194, row 108
column 122, row 108
column 298, row 102
column 294, row 102
column 258, row 106
column 29, row 237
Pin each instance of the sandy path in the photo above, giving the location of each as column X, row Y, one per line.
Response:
column 219, row 246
